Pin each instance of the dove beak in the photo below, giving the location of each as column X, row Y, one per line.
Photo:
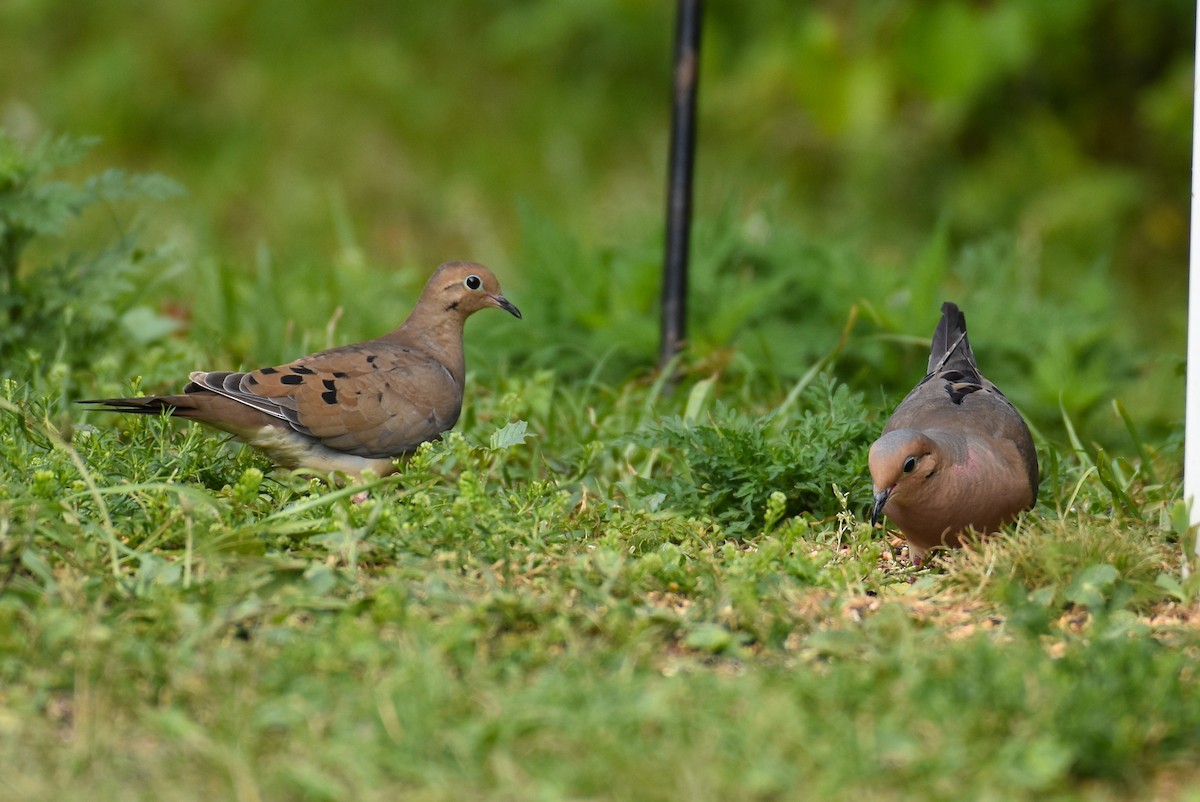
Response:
column 881, row 498
column 506, row 305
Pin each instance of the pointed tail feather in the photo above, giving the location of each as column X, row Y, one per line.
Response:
column 950, row 348
column 147, row 405
column 200, row 405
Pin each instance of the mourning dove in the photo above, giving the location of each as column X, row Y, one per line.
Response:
column 955, row 455
column 355, row 407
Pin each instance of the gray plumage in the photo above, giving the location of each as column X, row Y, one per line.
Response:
column 956, row 454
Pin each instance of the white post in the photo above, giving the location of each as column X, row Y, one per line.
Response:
column 1191, row 442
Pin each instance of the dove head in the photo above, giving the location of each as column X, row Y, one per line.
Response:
column 463, row 288
column 902, row 464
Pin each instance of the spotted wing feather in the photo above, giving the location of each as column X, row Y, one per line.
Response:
column 369, row 400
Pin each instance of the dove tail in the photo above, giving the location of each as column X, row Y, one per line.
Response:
column 197, row 404
column 148, row 405
column 950, row 348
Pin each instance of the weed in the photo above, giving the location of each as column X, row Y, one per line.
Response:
column 71, row 306
column 729, row 467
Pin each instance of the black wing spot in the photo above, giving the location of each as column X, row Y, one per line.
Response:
column 292, row 380
column 371, row 358
column 329, row 385
column 303, row 371
column 251, row 380
column 268, row 371
column 331, row 396
column 337, row 374
column 959, row 391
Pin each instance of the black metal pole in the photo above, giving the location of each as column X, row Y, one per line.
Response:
column 679, row 178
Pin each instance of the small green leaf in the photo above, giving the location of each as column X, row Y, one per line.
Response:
column 709, row 638
column 1171, row 584
column 144, row 325
column 1181, row 518
column 512, row 434
column 1091, row 586
column 698, row 398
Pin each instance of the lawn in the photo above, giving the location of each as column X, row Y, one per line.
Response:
column 551, row 610
column 608, row 582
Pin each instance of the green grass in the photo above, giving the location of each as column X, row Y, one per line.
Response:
column 532, row 620
column 888, row 155
column 606, row 584
column 638, row 588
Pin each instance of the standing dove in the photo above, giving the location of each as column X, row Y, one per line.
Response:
column 354, row 407
column 955, row 455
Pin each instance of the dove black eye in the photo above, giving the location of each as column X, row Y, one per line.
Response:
column 910, row 464
column 473, row 282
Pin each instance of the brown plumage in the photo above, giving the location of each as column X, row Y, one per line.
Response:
column 955, row 455
column 355, row 407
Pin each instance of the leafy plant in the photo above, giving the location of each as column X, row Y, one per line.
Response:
column 68, row 303
column 729, row 467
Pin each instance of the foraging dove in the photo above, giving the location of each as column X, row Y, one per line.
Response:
column 355, row 407
column 955, row 455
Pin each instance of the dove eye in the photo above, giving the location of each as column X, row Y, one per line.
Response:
column 910, row 465
column 473, row 282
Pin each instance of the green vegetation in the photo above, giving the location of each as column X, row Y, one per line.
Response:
column 606, row 583
column 1029, row 160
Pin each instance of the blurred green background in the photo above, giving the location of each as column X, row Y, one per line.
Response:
column 858, row 162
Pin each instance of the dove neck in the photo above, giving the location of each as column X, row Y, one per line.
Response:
column 950, row 444
column 440, row 336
